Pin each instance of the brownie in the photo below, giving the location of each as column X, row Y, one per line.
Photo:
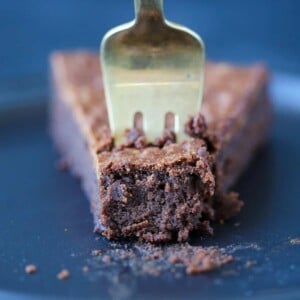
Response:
column 161, row 192
column 168, row 188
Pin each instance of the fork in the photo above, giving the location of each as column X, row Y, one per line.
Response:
column 153, row 71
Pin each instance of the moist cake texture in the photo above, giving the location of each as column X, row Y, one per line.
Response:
column 162, row 192
column 164, row 188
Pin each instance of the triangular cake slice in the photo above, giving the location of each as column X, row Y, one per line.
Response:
column 159, row 193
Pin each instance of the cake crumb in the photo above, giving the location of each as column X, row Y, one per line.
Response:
column 96, row 252
column 30, row 269
column 106, row 259
column 174, row 259
column 295, row 241
column 63, row 274
column 198, row 260
column 249, row 264
column 147, row 259
column 85, row 269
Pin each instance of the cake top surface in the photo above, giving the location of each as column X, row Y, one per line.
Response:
column 228, row 94
column 187, row 153
column 225, row 85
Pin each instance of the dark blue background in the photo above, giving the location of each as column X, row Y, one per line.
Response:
column 234, row 30
column 33, row 192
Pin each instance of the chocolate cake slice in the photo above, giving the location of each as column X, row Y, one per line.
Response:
column 159, row 193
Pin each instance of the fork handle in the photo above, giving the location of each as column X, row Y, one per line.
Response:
column 144, row 5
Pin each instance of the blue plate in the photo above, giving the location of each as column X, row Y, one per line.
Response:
column 45, row 219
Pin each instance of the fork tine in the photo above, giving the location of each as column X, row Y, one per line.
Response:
column 153, row 123
column 180, row 119
column 121, row 117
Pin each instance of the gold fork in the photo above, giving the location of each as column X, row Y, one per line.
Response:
column 152, row 68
